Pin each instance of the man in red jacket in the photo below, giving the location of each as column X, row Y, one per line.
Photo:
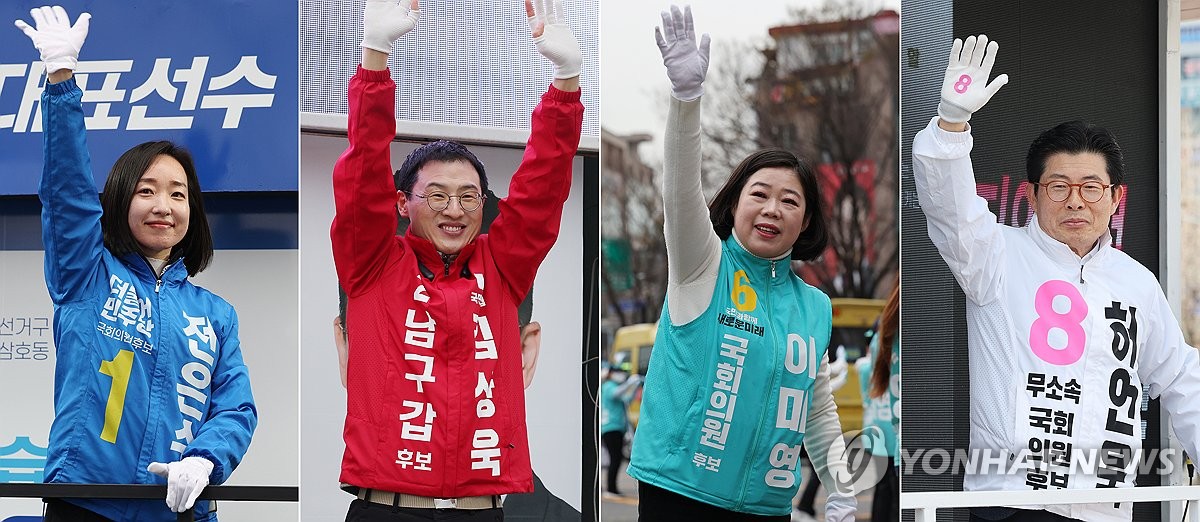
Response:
column 436, row 414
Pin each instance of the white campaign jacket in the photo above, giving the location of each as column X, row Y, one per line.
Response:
column 1061, row 348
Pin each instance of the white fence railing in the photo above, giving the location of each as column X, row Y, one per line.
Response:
column 926, row 504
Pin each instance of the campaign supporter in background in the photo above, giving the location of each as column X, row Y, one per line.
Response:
column 705, row 459
column 879, row 384
column 149, row 386
column 1065, row 331
column 433, row 313
column 617, row 388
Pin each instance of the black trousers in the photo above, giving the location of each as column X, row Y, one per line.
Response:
column 614, row 444
column 1017, row 515
column 363, row 511
column 655, row 504
column 885, row 504
column 62, row 511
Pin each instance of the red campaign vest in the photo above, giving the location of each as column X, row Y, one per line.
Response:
column 435, row 399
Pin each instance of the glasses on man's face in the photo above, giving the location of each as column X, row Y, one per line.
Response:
column 1059, row 191
column 439, row 201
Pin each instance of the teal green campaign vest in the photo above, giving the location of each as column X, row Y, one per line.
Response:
column 882, row 413
column 727, row 395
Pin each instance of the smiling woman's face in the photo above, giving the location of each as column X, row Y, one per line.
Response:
column 769, row 214
column 159, row 211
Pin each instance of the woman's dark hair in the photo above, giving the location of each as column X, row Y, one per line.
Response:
column 889, row 326
column 1075, row 137
column 811, row 242
column 196, row 247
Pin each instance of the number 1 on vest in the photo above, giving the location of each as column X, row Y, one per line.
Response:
column 119, row 369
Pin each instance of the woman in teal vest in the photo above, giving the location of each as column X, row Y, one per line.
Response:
column 738, row 382
column 879, row 376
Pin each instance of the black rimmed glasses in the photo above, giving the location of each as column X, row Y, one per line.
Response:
column 1059, row 191
column 439, row 201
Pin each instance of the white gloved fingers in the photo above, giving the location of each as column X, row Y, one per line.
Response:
column 186, row 479
column 60, row 15
column 385, row 21
column 552, row 12
column 668, row 27
column 955, row 51
column 191, row 492
column 556, row 41
column 979, row 51
column 686, row 63
column 997, row 83
column 840, row 508
column 968, row 48
column 989, row 58
column 689, row 28
column 25, row 28
column 965, row 88
column 678, row 25
column 40, row 18
column 159, row 469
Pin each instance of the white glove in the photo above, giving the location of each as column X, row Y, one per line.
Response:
column 58, row 40
column 963, row 89
column 555, row 41
column 686, row 63
column 839, row 369
column 384, row 21
column 840, row 507
column 185, row 480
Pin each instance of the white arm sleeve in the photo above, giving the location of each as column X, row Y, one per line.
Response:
column 962, row 228
column 693, row 250
column 827, row 450
column 1172, row 369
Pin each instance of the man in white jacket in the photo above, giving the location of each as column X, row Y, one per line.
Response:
column 1064, row 331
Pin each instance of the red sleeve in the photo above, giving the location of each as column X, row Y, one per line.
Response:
column 364, row 193
column 529, row 218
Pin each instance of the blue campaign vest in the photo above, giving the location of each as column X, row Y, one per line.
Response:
column 727, row 395
column 147, row 369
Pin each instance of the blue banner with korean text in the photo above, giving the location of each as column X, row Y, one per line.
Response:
column 219, row 77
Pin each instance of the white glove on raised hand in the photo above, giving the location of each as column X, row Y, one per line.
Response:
column 548, row 24
column 185, row 480
column 687, row 64
column 840, row 507
column 384, row 21
column 55, row 37
column 963, row 89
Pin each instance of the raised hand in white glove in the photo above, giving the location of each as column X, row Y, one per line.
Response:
column 840, row 507
column 185, row 480
column 687, row 64
column 384, row 21
column 548, row 25
column 55, row 37
column 963, row 89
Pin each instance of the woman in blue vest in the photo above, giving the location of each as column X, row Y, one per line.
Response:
column 149, row 384
column 738, row 381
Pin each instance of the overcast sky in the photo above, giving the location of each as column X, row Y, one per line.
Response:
column 634, row 85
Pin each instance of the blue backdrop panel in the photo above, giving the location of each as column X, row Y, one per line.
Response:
column 217, row 76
